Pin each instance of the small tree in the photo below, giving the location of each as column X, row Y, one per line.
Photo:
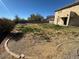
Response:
column 35, row 18
column 17, row 19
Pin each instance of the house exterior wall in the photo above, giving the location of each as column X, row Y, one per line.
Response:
column 71, row 20
column 51, row 22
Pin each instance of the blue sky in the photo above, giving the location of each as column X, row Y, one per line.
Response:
column 24, row 8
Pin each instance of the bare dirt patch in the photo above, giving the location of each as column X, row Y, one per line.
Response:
column 43, row 44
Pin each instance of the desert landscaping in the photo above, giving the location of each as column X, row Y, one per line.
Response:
column 32, row 29
column 43, row 41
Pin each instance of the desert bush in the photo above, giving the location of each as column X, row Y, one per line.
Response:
column 6, row 25
column 45, row 34
column 38, row 27
column 19, row 26
column 57, row 27
column 52, row 26
column 45, row 37
column 31, row 28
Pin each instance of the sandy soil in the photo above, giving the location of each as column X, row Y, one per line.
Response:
column 35, row 48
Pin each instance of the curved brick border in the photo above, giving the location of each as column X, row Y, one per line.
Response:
column 10, row 52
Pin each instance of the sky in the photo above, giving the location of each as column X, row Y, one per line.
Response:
column 24, row 8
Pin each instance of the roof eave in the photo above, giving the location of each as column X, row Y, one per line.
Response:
column 68, row 6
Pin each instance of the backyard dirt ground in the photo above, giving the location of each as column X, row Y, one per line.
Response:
column 46, row 44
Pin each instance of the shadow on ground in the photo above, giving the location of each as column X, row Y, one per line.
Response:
column 16, row 36
column 2, row 36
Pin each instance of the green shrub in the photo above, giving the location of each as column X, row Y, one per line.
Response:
column 57, row 27
column 38, row 27
column 6, row 25
column 31, row 28
column 52, row 26
column 6, row 28
column 20, row 26
column 47, row 25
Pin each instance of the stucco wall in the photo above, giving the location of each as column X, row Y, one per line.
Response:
column 66, row 13
column 51, row 22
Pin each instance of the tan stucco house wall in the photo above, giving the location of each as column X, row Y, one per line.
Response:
column 68, row 15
